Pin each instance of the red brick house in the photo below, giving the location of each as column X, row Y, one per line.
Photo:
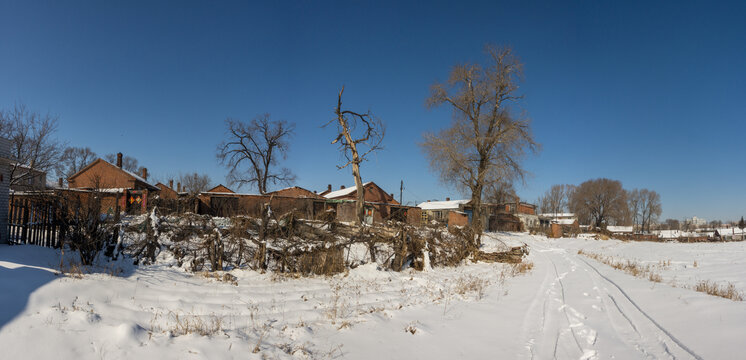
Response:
column 373, row 193
column 221, row 189
column 379, row 205
column 296, row 192
column 167, row 191
column 131, row 190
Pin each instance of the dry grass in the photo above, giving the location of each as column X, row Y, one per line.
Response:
column 643, row 271
column 471, row 284
column 220, row 276
column 521, row 268
column 411, row 327
column 727, row 290
column 184, row 324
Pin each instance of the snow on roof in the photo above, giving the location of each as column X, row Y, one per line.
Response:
column 558, row 215
column 729, row 231
column 343, row 192
column 620, row 229
column 564, row 221
column 442, row 205
column 674, row 234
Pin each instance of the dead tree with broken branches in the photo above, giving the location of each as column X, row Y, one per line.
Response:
column 358, row 135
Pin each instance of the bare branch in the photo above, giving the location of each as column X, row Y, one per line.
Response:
column 259, row 143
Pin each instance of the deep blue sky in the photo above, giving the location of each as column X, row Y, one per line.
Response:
column 648, row 93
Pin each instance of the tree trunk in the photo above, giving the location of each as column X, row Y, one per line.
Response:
column 476, row 216
column 360, row 206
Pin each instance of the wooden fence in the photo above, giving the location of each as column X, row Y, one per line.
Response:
column 32, row 222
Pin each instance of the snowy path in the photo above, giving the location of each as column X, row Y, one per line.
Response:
column 578, row 312
column 568, row 307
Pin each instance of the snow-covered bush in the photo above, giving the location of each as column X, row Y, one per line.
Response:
column 287, row 244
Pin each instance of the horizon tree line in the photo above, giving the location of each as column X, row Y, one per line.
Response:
column 602, row 202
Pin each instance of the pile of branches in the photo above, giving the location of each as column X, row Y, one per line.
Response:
column 288, row 244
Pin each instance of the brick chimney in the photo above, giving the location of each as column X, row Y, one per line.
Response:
column 329, row 187
column 119, row 160
column 171, row 184
column 60, row 183
column 341, row 187
column 145, row 173
column 448, row 199
column 178, row 187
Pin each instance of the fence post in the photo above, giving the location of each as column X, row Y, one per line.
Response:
column 24, row 220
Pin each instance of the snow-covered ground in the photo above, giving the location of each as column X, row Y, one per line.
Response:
column 568, row 307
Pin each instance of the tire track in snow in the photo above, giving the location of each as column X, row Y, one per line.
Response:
column 529, row 331
column 537, row 329
column 645, row 314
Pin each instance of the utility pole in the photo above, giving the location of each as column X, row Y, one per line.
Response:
column 401, row 189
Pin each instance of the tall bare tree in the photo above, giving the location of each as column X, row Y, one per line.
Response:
column 195, row 183
column 74, row 159
column 600, row 202
column 555, row 199
column 650, row 208
column 358, row 135
column 252, row 151
column 633, row 203
column 33, row 145
column 487, row 139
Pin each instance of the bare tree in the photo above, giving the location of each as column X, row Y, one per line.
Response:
column 500, row 192
column 256, row 145
column 74, row 159
column 33, row 146
column 555, row 199
column 195, row 183
column 128, row 163
column 673, row 224
column 650, row 208
column 487, row 140
column 600, row 201
column 358, row 135
column 634, row 205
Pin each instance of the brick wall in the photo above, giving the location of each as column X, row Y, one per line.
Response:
column 457, row 219
column 104, row 176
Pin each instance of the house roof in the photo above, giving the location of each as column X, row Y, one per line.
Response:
column 220, row 189
column 442, row 205
column 343, row 192
column 129, row 173
column 729, row 231
column 558, row 215
column 564, row 221
column 620, row 229
column 306, row 193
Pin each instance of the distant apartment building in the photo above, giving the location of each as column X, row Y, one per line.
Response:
column 695, row 221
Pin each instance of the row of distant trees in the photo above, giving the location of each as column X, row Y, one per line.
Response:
column 34, row 145
column 602, row 202
column 675, row 224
